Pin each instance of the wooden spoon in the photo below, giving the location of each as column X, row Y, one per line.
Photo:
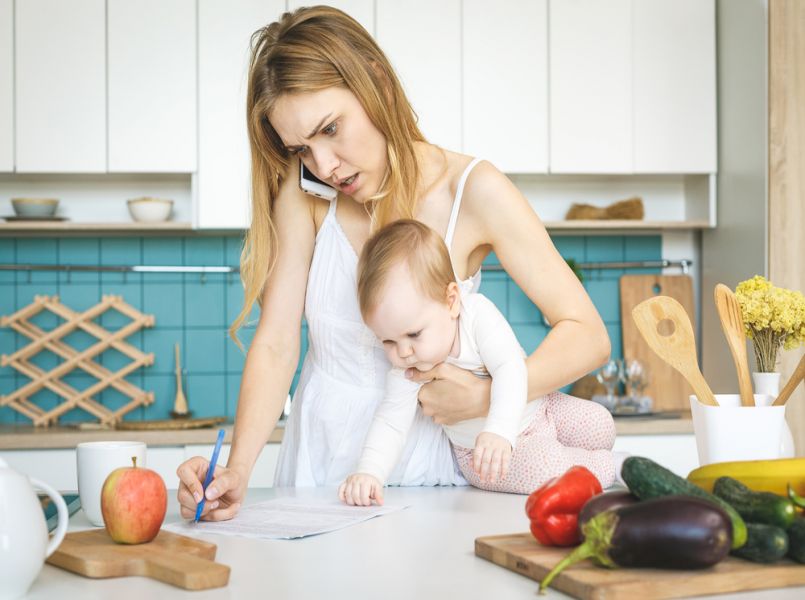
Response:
column 180, row 410
column 729, row 312
column 793, row 382
column 677, row 347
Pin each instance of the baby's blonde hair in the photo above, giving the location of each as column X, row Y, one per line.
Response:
column 404, row 242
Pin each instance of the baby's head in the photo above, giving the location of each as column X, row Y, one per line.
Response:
column 408, row 294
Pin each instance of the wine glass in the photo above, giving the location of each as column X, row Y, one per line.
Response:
column 608, row 376
column 635, row 377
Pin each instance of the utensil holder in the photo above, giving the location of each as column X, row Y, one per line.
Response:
column 729, row 431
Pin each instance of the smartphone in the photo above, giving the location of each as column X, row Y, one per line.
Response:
column 311, row 184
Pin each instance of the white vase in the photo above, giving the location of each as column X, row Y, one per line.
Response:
column 769, row 384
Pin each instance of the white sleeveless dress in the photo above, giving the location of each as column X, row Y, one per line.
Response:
column 343, row 376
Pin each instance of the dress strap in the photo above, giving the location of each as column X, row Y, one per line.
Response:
column 451, row 224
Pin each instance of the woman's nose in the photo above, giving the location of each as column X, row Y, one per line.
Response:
column 326, row 163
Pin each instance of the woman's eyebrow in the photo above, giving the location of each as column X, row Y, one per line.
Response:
column 319, row 126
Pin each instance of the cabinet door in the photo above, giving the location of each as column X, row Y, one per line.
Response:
column 152, row 86
column 422, row 39
column 363, row 11
column 60, row 86
column 590, row 86
column 223, row 183
column 6, row 86
column 674, row 86
column 505, row 83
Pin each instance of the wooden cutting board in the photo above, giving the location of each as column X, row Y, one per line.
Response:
column 667, row 387
column 171, row 558
column 521, row 553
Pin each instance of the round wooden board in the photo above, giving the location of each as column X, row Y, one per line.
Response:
column 170, row 424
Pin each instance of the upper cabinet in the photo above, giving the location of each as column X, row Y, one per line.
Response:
column 422, row 39
column 632, row 86
column 60, row 86
column 152, row 86
column 505, row 83
column 6, row 86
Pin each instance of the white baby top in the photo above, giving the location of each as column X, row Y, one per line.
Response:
column 488, row 346
column 343, row 378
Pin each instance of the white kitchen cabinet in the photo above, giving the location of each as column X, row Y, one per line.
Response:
column 674, row 62
column 60, row 65
column 363, row 11
column 422, row 39
column 6, row 86
column 590, row 86
column 222, row 187
column 505, row 83
column 152, row 86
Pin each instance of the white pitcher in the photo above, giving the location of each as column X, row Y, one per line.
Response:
column 24, row 544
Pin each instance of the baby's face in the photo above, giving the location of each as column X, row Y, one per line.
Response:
column 416, row 330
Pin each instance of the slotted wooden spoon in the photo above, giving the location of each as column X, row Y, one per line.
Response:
column 732, row 322
column 793, row 382
column 654, row 319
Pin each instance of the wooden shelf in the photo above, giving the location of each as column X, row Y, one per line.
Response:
column 28, row 226
column 611, row 225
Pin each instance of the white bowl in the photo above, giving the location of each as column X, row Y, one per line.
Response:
column 150, row 210
column 34, row 207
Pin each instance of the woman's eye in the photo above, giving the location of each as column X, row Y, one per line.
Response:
column 300, row 151
column 330, row 129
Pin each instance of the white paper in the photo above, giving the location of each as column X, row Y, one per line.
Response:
column 287, row 518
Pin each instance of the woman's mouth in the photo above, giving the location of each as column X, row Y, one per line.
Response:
column 349, row 185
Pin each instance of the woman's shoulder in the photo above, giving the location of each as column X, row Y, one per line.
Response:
column 486, row 188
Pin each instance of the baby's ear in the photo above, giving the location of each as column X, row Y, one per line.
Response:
column 453, row 299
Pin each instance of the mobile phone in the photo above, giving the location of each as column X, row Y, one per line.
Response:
column 311, row 184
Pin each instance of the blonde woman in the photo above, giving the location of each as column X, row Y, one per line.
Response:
column 322, row 92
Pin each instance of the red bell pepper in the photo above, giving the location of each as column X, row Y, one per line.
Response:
column 554, row 508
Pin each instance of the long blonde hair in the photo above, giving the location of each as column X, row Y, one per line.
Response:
column 308, row 50
column 408, row 242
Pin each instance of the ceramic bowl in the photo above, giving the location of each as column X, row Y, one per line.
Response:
column 34, row 207
column 150, row 210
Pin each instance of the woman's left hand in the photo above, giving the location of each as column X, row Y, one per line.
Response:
column 451, row 394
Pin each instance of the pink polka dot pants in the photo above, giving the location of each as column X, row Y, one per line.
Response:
column 564, row 432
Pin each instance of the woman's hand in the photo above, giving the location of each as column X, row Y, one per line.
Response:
column 224, row 495
column 451, row 394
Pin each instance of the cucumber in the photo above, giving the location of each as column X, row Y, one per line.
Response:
column 796, row 541
column 764, row 543
column 646, row 479
column 755, row 507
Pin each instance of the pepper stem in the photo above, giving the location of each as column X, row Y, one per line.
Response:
column 795, row 498
column 597, row 533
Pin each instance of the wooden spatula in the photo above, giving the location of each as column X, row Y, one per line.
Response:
column 732, row 322
column 654, row 319
column 793, row 382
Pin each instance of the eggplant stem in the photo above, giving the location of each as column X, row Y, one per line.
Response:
column 795, row 498
column 597, row 533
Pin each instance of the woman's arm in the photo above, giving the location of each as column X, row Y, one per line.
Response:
column 495, row 214
column 270, row 361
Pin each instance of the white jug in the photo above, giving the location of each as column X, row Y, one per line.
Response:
column 24, row 544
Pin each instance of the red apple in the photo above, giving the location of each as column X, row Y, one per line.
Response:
column 133, row 503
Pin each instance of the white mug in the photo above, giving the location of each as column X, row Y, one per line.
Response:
column 95, row 461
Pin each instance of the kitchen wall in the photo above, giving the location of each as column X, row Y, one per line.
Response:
column 196, row 311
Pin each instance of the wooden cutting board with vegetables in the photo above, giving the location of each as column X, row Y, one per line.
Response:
column 663, row 537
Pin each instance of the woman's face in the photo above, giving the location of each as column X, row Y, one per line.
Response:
column 332, row 134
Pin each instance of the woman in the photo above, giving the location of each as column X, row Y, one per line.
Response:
column 321, row 91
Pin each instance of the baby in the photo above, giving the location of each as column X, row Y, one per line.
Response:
column 409, row 297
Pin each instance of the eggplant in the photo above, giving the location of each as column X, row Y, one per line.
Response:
column 607, row 501
column 671, row 532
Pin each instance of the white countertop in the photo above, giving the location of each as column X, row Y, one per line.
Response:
column 425, row 551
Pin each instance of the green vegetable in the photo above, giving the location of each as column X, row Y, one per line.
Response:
column 764, row 543
column 796, row 541
column 755, row 507
column 647, row 479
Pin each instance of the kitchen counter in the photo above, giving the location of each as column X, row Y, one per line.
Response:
column 27, row 437
column 425, row 551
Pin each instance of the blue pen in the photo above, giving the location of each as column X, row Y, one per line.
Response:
column 210, row 471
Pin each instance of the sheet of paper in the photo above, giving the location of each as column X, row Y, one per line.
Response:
column 287, row 518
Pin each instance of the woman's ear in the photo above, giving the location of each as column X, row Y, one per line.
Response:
column 453, row 299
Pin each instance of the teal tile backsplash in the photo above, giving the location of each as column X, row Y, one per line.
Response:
column 195, row 310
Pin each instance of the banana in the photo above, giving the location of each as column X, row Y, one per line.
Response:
column 759, row 475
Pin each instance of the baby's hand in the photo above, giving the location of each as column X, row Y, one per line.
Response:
column 360, row 489
column 491, row 456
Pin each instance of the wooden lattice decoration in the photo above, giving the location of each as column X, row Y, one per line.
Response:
column 20, row 400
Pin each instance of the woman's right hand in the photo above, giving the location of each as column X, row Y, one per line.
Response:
column 224, row 495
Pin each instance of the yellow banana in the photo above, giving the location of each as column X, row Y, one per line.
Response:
column 759, row 475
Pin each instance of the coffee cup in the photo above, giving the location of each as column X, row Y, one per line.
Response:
column 95, row 460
